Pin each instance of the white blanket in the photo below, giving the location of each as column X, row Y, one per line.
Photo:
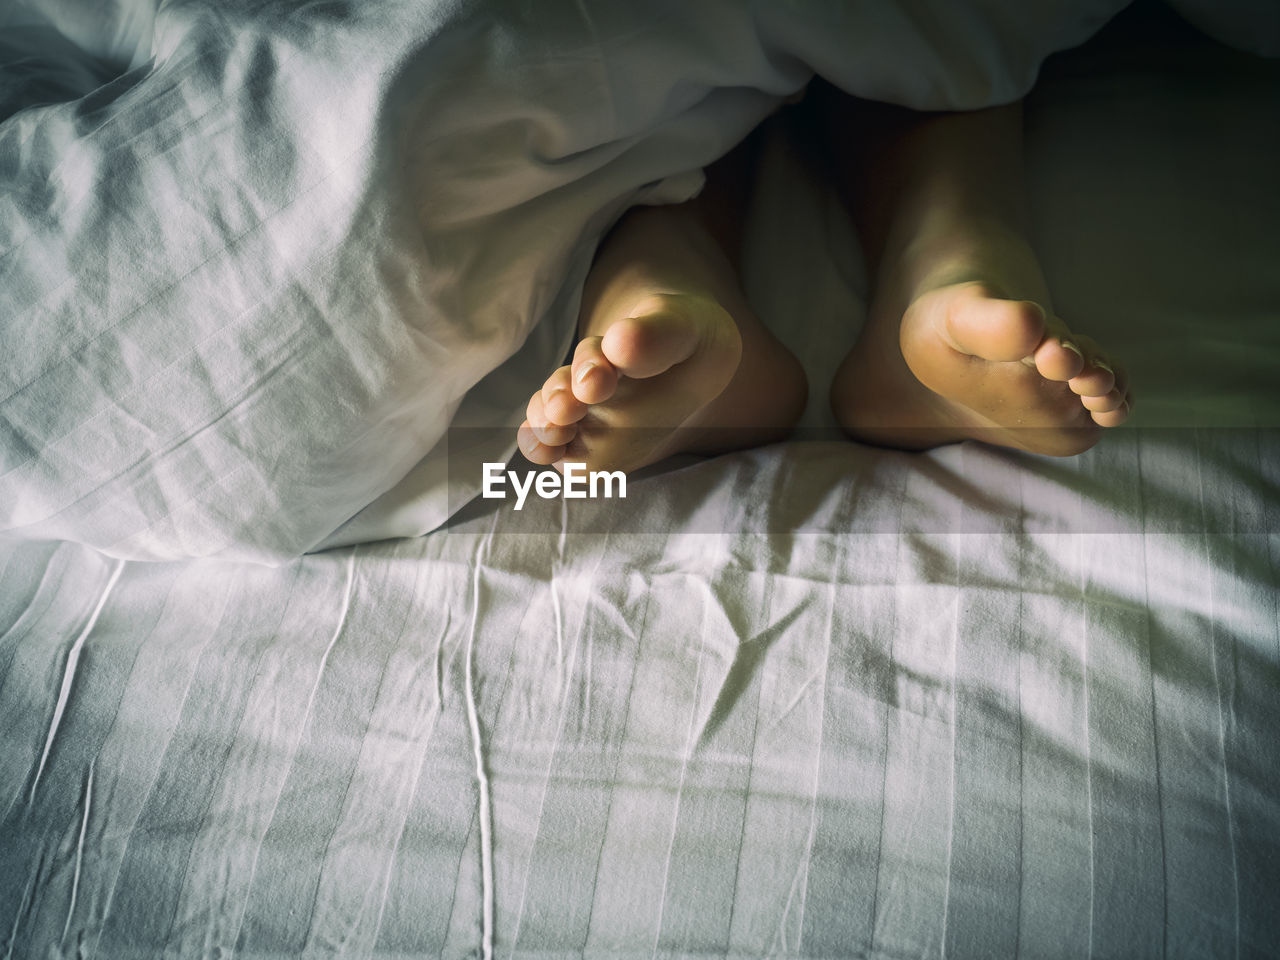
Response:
column 246, row 285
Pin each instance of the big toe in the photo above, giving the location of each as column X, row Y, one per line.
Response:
column 660, row 333
column 984, row 325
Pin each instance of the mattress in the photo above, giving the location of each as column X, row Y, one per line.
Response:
column 816, row 699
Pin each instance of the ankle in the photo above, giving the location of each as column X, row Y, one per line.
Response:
column 952, row 247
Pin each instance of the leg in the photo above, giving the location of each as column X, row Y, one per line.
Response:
column 670, row 358
column 961, row 341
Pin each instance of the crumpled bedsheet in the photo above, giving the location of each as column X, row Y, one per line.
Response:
column 853, row 704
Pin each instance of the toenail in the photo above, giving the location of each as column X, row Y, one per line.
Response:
column 1067, row 344
column 1103, row 365
column 585, row 371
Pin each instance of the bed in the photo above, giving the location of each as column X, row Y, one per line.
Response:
column 816, row 699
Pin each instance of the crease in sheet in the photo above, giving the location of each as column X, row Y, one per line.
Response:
column 799, row 882
column 1217, row 689
column 751, row 772
column 893, row 666
column 68, row 676
column 562, row 694
column 485, row 812
column 237, row 921
column 1022, row 740
column 691, row 742
column 337, row 632
column 438, row 664
column 558, row 616
column 23, row 907
column 802, row 868
column 556, row 605
column 747, row 657
column 1222, row 745
column 1088, row 749
column 394, row 853
column 84, row 827
column 818, row 675
column 951, row 786
column 563, row 698
column 30, row 613
column 562, row 535
column 1155, row 738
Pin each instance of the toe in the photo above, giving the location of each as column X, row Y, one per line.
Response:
column 558, row 402
column 983, row 325
column 593, row 377
column 1113, row 418
column 1125, row 401
column 551, row 434
column 1058, row 359
column 1114, row 407
column 1095, row 380
column 1105, row 403
column 651, row 342
column 534, row 450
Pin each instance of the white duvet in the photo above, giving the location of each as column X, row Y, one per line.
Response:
column 248, row 280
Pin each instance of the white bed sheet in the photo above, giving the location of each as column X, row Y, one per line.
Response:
column 964, row 722
column 813, row 700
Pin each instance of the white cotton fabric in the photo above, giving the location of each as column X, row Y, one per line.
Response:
column 246, row 284
column 815, row 700
column 905, row 706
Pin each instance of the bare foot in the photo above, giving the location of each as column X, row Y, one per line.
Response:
column 961, row 343
column 670, row 357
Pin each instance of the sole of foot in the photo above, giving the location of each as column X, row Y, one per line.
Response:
column 965, row 362
column 670, row 358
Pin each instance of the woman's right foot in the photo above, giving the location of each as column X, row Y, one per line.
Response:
column 670, row 357
column 958, row 345
column 960, row 341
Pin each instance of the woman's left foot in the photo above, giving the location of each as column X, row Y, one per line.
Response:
column 670, row 357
